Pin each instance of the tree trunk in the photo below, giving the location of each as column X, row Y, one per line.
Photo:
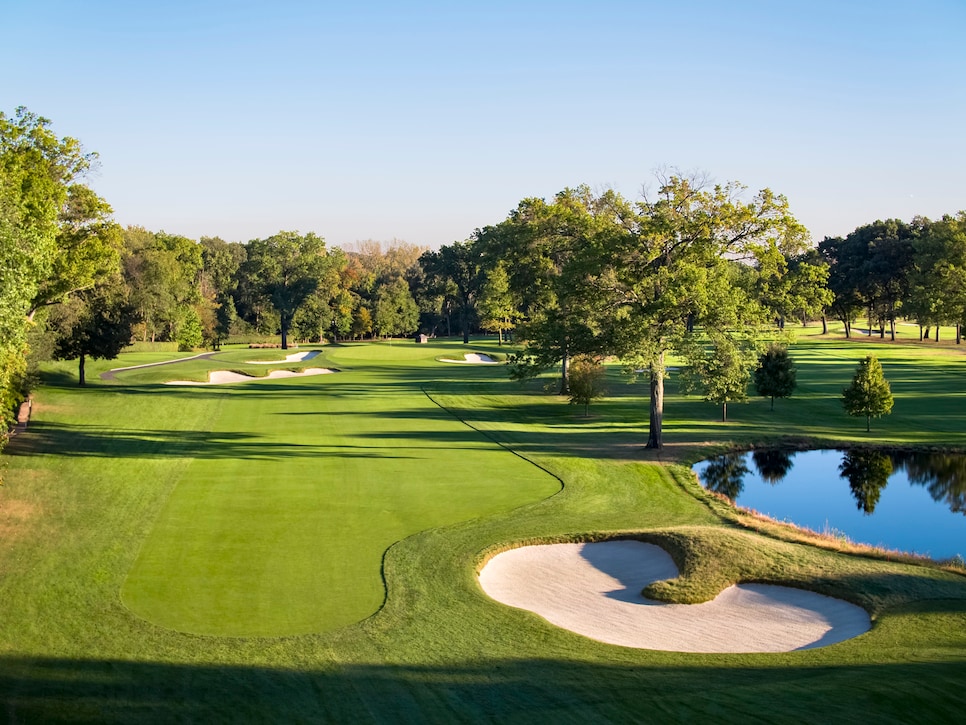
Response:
column 937, row 333
column 284, row 323
column 892, row 328
column 824, row 325
column 848, row 330
column 565, row 372
column 773, row 402
column 920, row 333
column 927, row 332
column 80, row 370
column 868, row 423
column 959, row 333
column 654, row 434
column 724, row 412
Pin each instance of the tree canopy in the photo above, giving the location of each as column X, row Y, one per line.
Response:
column 94, row 325
column 674, row 271
column 55, row 236
column 702, row 270
column 286, row 269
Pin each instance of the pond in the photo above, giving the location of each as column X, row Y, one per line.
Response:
column 913, row 502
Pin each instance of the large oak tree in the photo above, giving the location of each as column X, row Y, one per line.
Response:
column 286, row 269
column 672, row 272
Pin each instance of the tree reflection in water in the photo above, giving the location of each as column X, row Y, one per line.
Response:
column 867, row 472
column 724, row 474
column 942, row 474
column 773, row 465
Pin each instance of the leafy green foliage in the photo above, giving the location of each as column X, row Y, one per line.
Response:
column 96, row 325
column 286, row 270
column 396, row 311
column 190, row 333
column 721, row 371
column 673, row 273
column 868, row 270
column 587, row 378
column 454, row 270
column 498, row 311
column 88, row 245
column 162, row 272
column 869, row 394
column 38, row 173
column 775, row 374
column 361, row 322
column 225, row 316
column 937, row 278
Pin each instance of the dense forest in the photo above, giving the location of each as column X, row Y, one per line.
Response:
column 580, row 277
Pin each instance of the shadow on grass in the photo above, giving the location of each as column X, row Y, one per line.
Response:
column 644, row 687
column 76, row 441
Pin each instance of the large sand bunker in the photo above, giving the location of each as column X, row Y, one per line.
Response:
column 594, row 589
column 472, row 358
column 222, row 377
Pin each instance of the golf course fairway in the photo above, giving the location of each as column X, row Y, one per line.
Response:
column 287, row 536
column 308, row 549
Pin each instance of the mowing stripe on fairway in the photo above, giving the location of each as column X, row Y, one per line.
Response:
column 281, row 527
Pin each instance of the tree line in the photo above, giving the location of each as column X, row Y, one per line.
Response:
column 692, row 268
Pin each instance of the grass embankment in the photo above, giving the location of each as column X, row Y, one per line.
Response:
column 110, row 478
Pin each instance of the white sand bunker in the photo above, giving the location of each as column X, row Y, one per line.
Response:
column 472, row 358
column 594, row 589
column 221, row 377
column 294, row 357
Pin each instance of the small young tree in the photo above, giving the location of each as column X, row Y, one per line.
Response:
column 190, row 333
column 361, row 322
column 775, row 375
column 495, row 304
column 722, row 372
column 586, row 381
column 869, row 394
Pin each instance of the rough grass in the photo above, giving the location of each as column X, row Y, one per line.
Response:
column 101, row 466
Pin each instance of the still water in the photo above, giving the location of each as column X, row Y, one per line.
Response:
column 913, row 502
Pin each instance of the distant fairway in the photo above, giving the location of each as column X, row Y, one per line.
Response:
column 279, row 525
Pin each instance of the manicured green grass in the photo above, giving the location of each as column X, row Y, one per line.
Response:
column 108, row 480
column 280, row 523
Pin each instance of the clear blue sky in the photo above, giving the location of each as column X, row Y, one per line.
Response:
column 422, row 121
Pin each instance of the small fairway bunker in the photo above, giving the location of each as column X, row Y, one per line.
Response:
column 223, row 377
column 472, row 358
column 294, row 357
column 594, row 589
